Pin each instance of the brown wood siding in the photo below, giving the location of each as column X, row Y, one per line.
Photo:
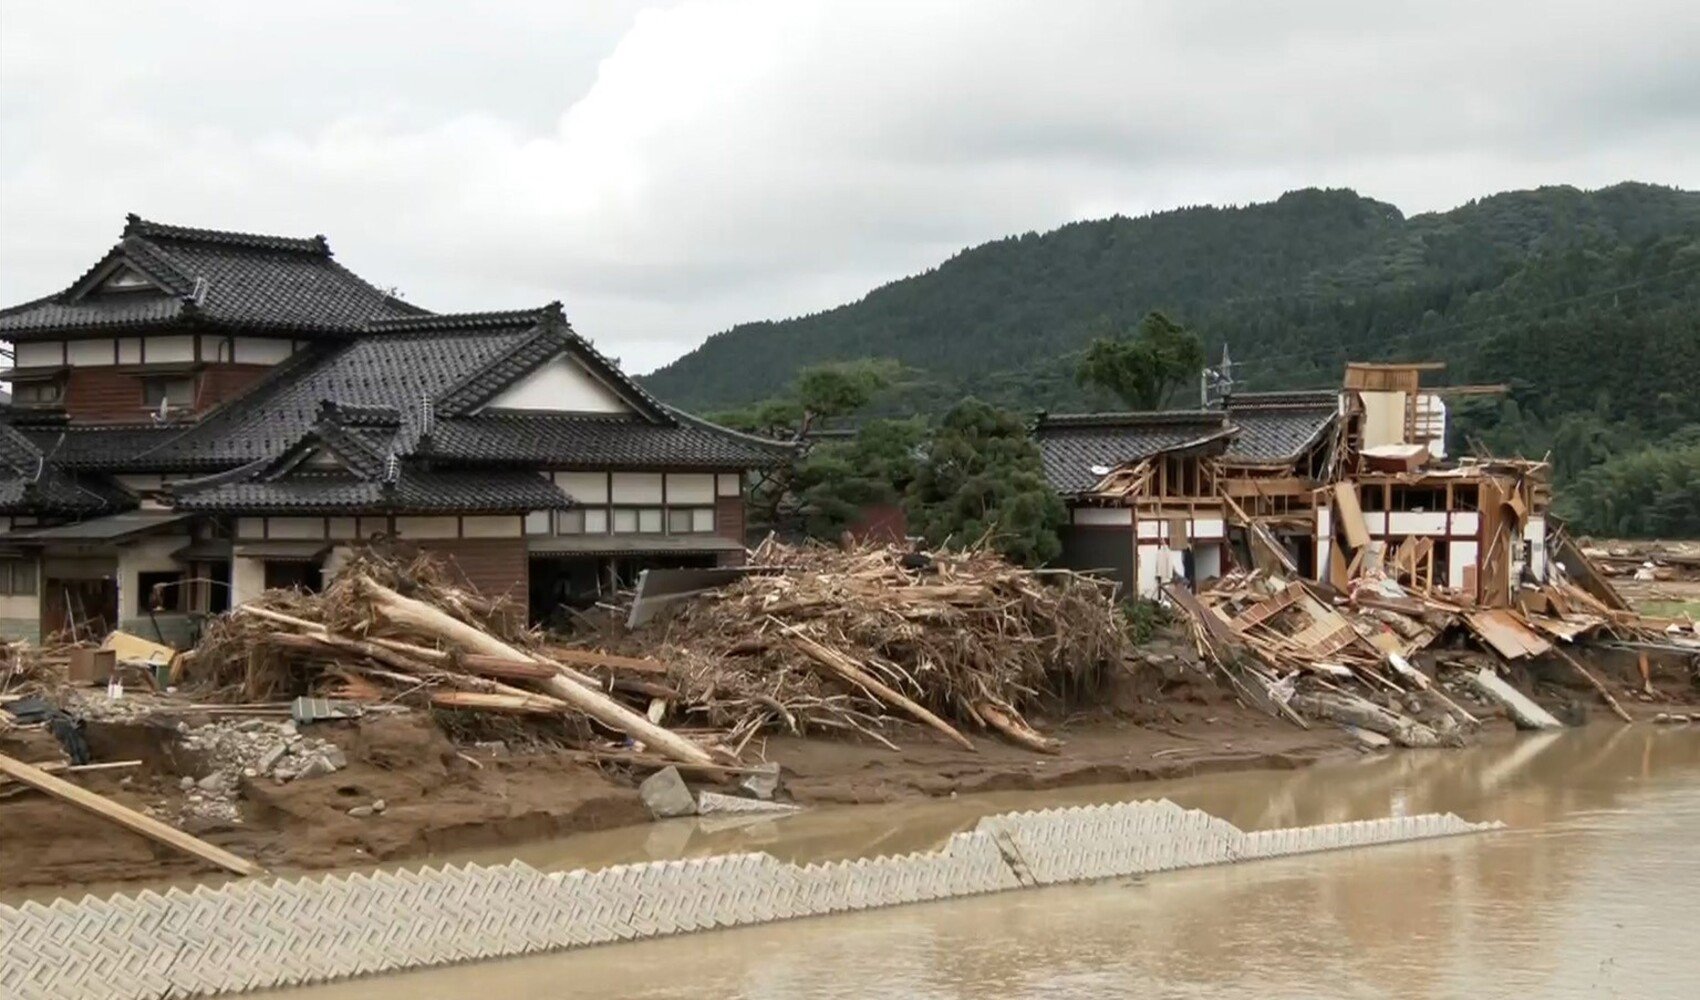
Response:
column 729, row 518
column 223, row 382
column 496, row 566
column 109, row 396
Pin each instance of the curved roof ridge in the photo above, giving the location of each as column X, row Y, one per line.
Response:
column 135, row 225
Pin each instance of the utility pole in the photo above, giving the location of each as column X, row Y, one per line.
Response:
column 1218, row 380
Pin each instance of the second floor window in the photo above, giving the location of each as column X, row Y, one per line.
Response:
column 172, row 393
column 44, row 393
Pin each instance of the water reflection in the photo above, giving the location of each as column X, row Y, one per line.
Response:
column 1595, row 892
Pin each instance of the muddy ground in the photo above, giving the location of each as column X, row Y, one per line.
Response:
column 439, row 797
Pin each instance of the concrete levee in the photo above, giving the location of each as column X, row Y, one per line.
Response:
column 266, row 933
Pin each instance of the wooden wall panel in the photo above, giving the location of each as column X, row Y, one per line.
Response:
column 102, row 395
column 496, row 566
column 729, row 518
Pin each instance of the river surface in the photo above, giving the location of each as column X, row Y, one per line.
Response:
column 1593, row 892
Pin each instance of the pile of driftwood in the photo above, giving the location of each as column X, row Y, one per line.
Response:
column 385, row 630
column 825, row 638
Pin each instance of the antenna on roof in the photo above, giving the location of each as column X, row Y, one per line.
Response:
column 392, row 469
column 1219, row 380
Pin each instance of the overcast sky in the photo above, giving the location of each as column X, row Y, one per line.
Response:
column 668, row 170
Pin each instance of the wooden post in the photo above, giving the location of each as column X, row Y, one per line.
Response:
column 603, row 709
column 840, row 665
column 124, row 816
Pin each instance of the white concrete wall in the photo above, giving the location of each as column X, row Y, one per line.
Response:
column 1458, row 556
column 560, row 385
column 247, row 578
column 146, row 555
column 38, row 353
column 1120, row 517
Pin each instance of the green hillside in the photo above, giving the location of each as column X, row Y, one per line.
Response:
column 1569, row 294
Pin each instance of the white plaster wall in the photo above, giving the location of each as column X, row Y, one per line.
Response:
column 247, row 578
column 584, row 487
column 129, row 350
column 1410, row 522
column 1149, row 563
column 637, row 487
column 1535, row 533
column 1150, row 529
column 1466, row 522
column 491, row 526
column 1120, row 517
column 89, row 353
column 1208, row 527
column 729, row 484
column 41, row 352
column 1458, row 556
column 147, row 555
column 22, row 606
column 690, row 487
column 537, row 522
column 427, row 527
column 164, row 350
column 1384, row 418
column 260, row 350
column 303, row 528
column 1207, row 561
column 562, row 385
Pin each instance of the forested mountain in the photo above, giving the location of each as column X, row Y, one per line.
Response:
column 1294, row 287
column 1586, row 302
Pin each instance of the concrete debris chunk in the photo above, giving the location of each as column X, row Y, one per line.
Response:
column 714, row 803
column 764, row 783
column 666, row 795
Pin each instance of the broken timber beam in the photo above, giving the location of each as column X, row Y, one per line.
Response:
column 124, row 816
column 591, row 702
column 843, row 667
column 1594, row 682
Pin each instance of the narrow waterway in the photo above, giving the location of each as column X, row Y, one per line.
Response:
column 1594, row 892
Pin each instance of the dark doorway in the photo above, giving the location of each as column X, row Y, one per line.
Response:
column 84, row 609
column 293, row 574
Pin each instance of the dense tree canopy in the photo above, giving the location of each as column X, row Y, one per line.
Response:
column 1144, row 370
column 981, row 478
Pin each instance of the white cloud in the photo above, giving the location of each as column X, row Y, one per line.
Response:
column 670, row 171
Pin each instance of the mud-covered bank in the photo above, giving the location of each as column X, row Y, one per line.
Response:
column 440, row 797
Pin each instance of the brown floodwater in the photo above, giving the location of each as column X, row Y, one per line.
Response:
column 1593, row 892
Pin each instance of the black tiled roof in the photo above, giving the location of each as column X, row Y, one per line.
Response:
column 30, row 484
column 133, row 447
column 565, row 440
column 1275, row 429
column 414, row 491
column 1072, row 445
column 208, row 276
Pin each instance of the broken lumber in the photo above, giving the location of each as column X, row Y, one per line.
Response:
column 1594, row 681
column 1351, row 710
column 422, row 616
column 840, row 665
column 1017, row 731
column 124, row 816
column 1523, row 711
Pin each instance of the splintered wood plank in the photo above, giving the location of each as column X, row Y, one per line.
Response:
column 1351, row 515
column 124, row 816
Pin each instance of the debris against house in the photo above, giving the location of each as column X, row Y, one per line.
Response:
column 846, row 639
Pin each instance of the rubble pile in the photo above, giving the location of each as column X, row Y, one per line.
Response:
column 1398, row 659
column 234, row 751
column 823, row 637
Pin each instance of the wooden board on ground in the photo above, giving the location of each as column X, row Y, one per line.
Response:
column 124, row 816
column 1508, row 636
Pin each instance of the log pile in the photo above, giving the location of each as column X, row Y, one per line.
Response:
column 391, row 631
column 819, row 641
column 844, row 640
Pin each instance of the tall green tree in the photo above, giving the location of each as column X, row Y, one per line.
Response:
column 981, row 477
column 828, row 481
column 1143, row 370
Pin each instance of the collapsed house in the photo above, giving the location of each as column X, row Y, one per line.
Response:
column 1306, row 483
column 203, row 415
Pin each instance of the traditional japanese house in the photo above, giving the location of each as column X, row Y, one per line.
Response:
column 204, row 414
